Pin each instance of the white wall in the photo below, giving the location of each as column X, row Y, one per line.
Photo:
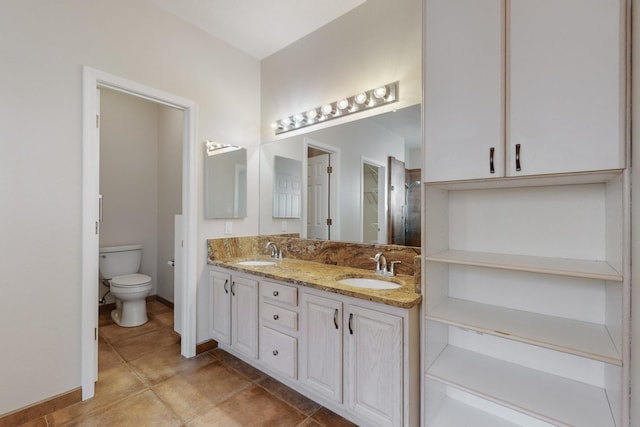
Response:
column 43, row 45
column 376, row 43
column 170, row 130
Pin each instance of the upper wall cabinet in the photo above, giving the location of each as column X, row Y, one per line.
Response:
column 516, row 87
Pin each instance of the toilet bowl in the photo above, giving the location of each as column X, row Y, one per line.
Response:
column 119, row 267
column 130, row 291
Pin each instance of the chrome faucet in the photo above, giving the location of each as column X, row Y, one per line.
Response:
column 381, row 265
column 275, row 252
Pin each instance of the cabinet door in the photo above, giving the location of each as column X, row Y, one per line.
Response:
column 464, row 89
column 375, row 365
column 566, row 91
column 220, row 306
column 244, row 312
column 321, row 341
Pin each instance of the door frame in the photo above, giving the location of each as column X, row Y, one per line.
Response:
column 92, row 80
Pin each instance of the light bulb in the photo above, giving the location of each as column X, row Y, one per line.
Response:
column 361, row 98
column 343, row 104
column 286, row 121
column 327, row 109
column 298, row 118
column 312, row 114
column 380, row 92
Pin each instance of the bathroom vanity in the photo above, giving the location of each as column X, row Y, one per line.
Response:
column 353, row 350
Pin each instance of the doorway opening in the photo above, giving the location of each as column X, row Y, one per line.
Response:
column 186, row 281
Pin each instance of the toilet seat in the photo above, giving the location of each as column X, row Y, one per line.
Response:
column 129, row 280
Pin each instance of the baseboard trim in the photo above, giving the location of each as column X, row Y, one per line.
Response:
column 203, row 347
column 40, row 409
column 163, row 301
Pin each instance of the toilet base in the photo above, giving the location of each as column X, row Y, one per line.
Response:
column 130, row 314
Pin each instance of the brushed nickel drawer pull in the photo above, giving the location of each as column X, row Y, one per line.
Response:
column 518, row 168
column 491, row 154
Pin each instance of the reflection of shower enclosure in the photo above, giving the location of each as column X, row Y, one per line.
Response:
column 404, row 204
column 412, row 209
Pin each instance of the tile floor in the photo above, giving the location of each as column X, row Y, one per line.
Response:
column 143, row 381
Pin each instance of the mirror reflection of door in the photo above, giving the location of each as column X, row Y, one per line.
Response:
column 374, row 228
column 318, row 194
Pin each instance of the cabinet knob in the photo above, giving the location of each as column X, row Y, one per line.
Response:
column 275, row 352
column 276, row 293
column 276, row 317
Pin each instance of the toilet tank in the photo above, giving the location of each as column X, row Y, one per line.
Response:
column 119, row 260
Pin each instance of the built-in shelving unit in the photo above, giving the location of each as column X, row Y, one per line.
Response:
column 518, row 313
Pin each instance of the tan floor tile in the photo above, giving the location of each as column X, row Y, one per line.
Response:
column 167, row 362
column 310, row 422
column 40, row 422
column 164, row 318
column 114, row 333
column 292, row 397
column 245, row 369
column 328, row 418
column 143, row 409
column 137, row 346
column 107, row 356
column 216, row 381
column 104, row 317
column 113, row 385
column 253, row 407
column 154, row 307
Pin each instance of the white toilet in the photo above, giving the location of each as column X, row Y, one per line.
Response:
column 119, row 265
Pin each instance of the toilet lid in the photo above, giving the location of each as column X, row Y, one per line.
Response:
column 130, row 279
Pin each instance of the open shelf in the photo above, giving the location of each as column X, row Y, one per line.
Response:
column 584, row 339
column 539, row 394
column 600, row 270
column 454, row 413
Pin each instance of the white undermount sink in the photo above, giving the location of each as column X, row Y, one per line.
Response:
column 369, row 283
column 256, row 263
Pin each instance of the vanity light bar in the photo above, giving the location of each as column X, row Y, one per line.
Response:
column 359, row 102
column 214, row 148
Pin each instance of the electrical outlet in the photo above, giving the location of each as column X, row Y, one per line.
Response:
column 227, row 227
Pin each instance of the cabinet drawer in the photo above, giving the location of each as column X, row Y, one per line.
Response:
column 279, row 316
column 277, row 292
column 279, row 352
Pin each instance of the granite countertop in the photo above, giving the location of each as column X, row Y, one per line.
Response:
column 326, row 276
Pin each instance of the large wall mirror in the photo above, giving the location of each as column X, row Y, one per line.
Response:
column 360, row 181
column 225, row 174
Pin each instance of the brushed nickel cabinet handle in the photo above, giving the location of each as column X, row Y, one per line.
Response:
column 518, row 168
column 233, row 288
column 226, row 289
column 335, row 318
column 351, row 323
column 491, row 154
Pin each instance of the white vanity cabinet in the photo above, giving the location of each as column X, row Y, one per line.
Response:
column 374, row 364
column 233, row 316
column 321, row 346
column 518, row 87
column 279, row 327
column 362, row 355
column 358, row 358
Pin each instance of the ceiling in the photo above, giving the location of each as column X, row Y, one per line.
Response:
column 258, row 27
